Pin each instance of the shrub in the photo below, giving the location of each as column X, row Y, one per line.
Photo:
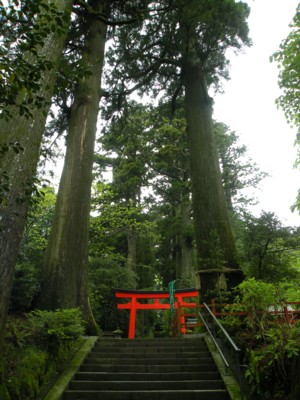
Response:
column 34, row 349
column 271, row 361
column 270, row 348
column 105, row 276
column 57, row 328
column 27, row 371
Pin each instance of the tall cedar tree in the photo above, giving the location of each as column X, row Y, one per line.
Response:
column 126, row 137
column 64, row 272
column 171, row 163
column 238, row 170
column 25, row 131
column 181, row 48
column 151, row 150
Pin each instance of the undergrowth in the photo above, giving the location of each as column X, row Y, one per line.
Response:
column 35, row 347
column 270, row 345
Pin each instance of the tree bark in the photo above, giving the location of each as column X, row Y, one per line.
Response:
column 132, row 234
column 65, row 266
column 132, row 249
column 214, row 238
column 185, row 274
column 21, row 167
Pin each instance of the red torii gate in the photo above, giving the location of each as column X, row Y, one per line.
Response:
column 133, row 303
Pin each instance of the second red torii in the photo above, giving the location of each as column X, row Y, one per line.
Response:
column 133, row 304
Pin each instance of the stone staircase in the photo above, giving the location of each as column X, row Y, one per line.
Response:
column 148, row 369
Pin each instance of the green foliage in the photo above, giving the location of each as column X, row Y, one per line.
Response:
column 26, row 287
column 57, row 328
column 271, row 362
column 105, row 275
column 257, row 297
column 31, row 251
column 116, row 216
column 25, row 381
column 154, row 53
column 268, row 250
column 238, row 171
column 165, row 322
column 288, row 60
column 292, row 291
column 34, row 348
column 270, row 349
column 35, row 236
column 115, row 219
column 24, row 28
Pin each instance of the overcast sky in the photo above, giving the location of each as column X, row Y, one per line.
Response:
column 248, row 107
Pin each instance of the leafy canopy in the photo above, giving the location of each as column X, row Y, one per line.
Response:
column 288, row 60
column 24, row 27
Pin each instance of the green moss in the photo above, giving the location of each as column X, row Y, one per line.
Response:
column 28, row 373
column 70, row 369
column 34, row 352
column 30, row 370
column 4, row 395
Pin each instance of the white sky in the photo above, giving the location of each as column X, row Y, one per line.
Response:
column 248, row 108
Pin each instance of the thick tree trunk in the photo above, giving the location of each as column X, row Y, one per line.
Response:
column 21, row 167
column 214, row 238
column 185, row 274
column 65, row 267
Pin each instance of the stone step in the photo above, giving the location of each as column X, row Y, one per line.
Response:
column 155, row 340
column 146, row 354
column 148, row 349
column 218, row 394
column 149, row 361
column 150, row 376
column 150, row 368
column 126, row 343
column 147, row 385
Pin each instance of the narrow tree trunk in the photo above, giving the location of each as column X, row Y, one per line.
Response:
column 131, row 249
column 214, row 238
column 132, row 234
column 65, row 266
column 21, row 167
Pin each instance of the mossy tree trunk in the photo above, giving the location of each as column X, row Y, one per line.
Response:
column 132, row 234
column 132, row 239
column 214, row 238
column 21, row 168
column 65, row 268
column 185, row 274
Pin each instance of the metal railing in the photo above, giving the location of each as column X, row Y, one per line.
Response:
column 228, row 350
